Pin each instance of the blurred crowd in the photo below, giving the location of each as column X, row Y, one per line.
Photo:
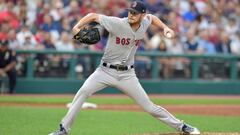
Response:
column 201, row 26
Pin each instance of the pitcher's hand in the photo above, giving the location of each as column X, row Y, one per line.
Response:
column 168, row 33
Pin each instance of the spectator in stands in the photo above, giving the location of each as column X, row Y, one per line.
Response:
column 184, row 27
column 214, row 31
column 31, row 10
column 230, row 7
column 206, row 47
column 223, row 45
column 232, row 27
column 191, row 14
column 9, row 14
column 165, row 62
column 191, row 44
column 22, row 13
column 49, row 42
column 65, row 25
column 57, row 11
column 73, row 12
column 64, row 44
column 49, row 25
column 29, row 42
column 235, row 44
column 12, row 39
column 177, row 63
column 158, row 44
column 156, row 7
column 43, row 9
column 7, row 64
column 4, row 29
column 44, row 61
column 2, row 5
column 39, row 36
column 24, row 34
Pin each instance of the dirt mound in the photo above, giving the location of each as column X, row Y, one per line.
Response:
column 222, row 110
column 212, row 133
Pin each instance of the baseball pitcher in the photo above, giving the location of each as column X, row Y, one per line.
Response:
column 117, row 65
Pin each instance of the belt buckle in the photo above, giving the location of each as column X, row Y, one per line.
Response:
column 118, row 67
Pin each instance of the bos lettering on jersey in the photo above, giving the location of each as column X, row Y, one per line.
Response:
column 126, row 41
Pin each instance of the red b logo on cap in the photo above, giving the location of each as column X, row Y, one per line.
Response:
column 134, row 4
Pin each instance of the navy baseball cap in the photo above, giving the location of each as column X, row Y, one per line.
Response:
column 137, row 7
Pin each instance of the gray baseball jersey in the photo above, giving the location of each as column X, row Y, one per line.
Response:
column 121, row 48
column 122, row 40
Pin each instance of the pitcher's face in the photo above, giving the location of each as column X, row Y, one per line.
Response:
column 134, row 17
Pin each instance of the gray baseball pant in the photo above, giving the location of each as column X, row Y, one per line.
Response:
column 128, row 83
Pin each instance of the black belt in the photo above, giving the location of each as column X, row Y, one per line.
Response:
column 118, row 67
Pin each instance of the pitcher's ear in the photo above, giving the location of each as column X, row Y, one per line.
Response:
column 143, row 15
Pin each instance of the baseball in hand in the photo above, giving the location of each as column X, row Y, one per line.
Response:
column 169, row 35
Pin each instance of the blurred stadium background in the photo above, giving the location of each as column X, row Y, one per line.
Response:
column 203, row 58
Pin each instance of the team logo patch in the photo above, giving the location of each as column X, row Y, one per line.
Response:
column 134, row 4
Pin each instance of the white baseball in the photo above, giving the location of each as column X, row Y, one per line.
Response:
column 168, row 35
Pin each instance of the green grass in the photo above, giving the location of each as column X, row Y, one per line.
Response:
column 41, row 121
column 34, row 99
column 170, row 101
column 117, row 100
